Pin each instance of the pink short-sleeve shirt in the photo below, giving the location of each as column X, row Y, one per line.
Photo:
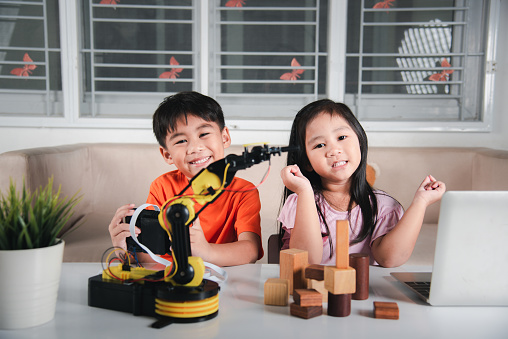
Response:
column 389, row 213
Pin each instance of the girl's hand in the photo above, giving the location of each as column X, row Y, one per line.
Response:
column 118, row 230
column 430, row 190
column 294, row 180
column 199, row 245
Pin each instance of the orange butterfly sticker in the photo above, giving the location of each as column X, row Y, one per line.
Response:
column 27, row 69
column 235, row 3
column 294, row 74
column 174, row 73
column 384, row 4
column 444, row 75
column 109, row 2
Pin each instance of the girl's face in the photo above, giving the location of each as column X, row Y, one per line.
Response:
column 333, row 149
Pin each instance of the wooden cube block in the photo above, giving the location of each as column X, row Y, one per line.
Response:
column 276, row 292
column 305, row 312
column 292, row 267
column 316, row 272
column 386, row 310
column 319, row 285
column 305, row 298
column 340, row 280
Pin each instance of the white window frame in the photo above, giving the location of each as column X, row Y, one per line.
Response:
column 71, row 78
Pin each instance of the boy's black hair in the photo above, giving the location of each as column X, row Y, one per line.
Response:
column 182, row 104
column 360, row 191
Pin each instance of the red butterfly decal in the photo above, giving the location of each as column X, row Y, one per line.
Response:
column 294, row 74
column 26, row 70
column 109, row 2
column 173, row 74
column 444, row 75
column 384, row 4
column 235, row 3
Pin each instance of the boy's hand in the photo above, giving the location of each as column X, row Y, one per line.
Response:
column 430, row 190
column 294, row 180
column 118, row 230
column 199, row 245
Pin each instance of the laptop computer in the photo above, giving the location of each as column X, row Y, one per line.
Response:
column 471, row 257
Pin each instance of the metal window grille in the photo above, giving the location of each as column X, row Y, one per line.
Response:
column 418, row 53
column 134, row 51
column 270, row 49
column 28, row 58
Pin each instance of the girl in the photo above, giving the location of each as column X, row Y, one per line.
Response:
column 326, row 181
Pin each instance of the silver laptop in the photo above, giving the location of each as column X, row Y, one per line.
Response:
column 471, row 257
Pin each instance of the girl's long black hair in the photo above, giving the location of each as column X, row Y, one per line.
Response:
column 360, row 191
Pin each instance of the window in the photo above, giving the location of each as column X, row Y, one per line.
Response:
column 418, row 60
column 400, row 65
column 30, row 78
column 134, row 51
column 271, row 54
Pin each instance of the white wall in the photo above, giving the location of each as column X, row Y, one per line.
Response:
column 20, row 138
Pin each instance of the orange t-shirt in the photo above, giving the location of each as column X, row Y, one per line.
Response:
column 224, row 219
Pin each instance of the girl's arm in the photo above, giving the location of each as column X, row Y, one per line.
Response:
column 394, row 248
column 306, row 234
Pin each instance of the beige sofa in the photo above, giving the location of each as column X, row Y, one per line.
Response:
column 110, row 175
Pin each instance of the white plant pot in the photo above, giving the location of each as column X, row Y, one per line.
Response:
column 29, row 286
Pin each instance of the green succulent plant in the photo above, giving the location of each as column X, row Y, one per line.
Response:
column 34, row 220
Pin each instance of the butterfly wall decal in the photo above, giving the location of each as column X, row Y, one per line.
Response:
column 26, row 70
column 174, row 72
column 444, row 75
column 294, row 74
column 384, row 4
column 109, row 2
column 235, row 3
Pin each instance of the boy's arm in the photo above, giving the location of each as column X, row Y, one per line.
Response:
column 394, row 248
column 118, row 230
column 243, row 251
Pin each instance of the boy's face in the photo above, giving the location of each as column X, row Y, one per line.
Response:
column 195, row 144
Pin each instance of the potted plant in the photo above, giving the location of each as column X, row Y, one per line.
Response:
column 31, row 253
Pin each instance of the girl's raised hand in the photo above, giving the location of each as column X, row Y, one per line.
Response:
column 294, row 180
column 430, row 190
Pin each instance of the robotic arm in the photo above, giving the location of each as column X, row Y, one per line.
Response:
column 207, row 186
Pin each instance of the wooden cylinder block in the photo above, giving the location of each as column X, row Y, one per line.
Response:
column 339, row 305
column 360, row 262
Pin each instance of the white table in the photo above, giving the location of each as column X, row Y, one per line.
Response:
column 242, row 313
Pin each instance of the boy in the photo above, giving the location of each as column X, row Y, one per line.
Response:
column 191, row 132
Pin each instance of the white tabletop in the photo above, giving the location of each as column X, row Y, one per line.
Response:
column 242, row 313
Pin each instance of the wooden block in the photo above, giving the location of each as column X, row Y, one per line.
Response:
column 276, row 292
column 292, row 267
column 360, row 262
column 342, row 244
column 386, row 310
column 305, row 312
column 339, row 305
column 319, row 285
column 305, row 298
column 340, row 280
column 316, row 272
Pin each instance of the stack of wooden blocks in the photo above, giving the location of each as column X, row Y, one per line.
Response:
column 310, row 285
column 295, row 273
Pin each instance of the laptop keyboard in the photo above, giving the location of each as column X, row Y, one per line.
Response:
column 422, row 287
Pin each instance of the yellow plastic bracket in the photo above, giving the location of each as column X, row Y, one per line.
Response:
column 116, row 273
column 184, row 201
column 199, row 272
